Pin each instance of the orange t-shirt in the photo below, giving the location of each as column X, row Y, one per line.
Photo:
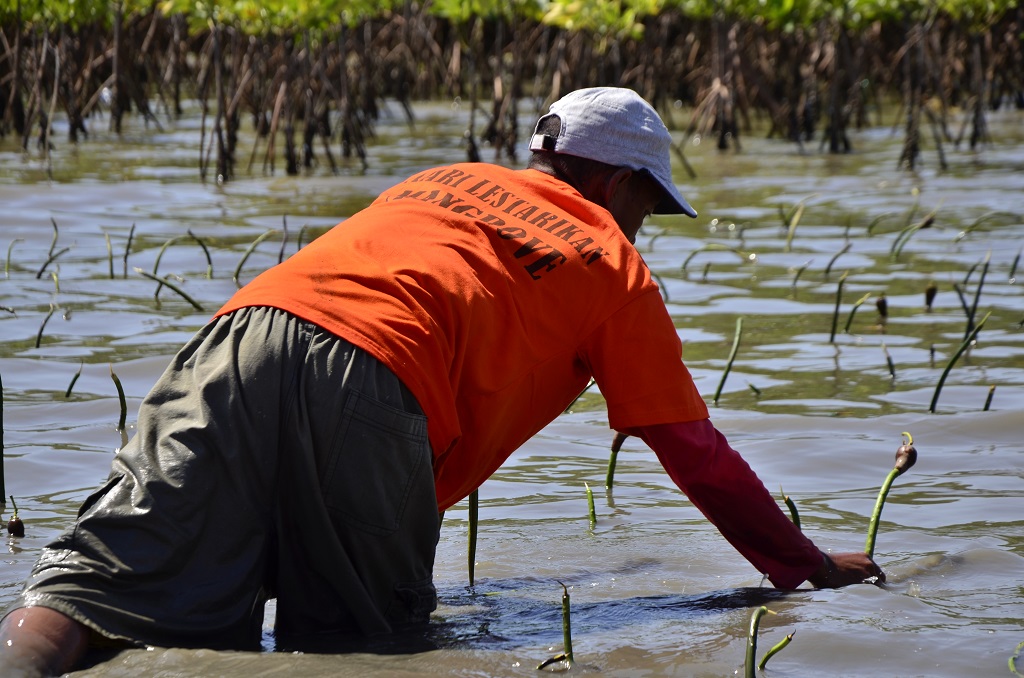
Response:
column 494, row 295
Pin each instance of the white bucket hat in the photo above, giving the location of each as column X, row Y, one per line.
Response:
column 614, row 125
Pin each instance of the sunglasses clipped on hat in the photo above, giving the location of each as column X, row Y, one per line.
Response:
column 614, row 125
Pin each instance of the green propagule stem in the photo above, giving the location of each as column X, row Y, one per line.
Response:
column 952, row 361
column 474, row 521
column 590, row 505
column 732, row 357
column 750, row 668
column 566, row 655
column 1012, row 662
column 791, row 505
column 906, row 456
column 620, row 438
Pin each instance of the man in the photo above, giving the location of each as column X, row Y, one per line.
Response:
column 302, row 445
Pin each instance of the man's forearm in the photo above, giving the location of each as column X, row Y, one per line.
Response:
column 721, row 484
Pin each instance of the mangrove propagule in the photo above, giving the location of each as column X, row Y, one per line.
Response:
column 15, row 526
column 906, row 457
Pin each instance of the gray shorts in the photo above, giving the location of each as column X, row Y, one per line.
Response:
column 272, row 460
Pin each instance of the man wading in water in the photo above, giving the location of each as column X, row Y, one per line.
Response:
column 302, row 445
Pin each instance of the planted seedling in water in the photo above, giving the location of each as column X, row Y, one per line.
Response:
column 590, row 505
column 15, row 527
column 566, row 655
column 791, row 505
column 929, row 295
column 732, row 357
column 749, row 667
column 620, row 438
column 474, row 522
column 952, row 361
column 906, row 457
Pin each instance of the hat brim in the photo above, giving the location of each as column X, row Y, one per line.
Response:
column 673, row 201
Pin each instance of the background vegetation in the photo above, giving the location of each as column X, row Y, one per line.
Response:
column 310, row 76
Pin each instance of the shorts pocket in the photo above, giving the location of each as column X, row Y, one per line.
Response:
column 374, row 459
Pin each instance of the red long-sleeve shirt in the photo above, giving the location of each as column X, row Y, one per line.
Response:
column 719, row 482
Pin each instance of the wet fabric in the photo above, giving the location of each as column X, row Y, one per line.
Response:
column 494, row 295
column 272, row 459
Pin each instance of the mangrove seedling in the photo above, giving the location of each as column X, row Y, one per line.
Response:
column 988, row 399
column 39, row 334
column 206, row 251
column 732, row 357
column 775, row 649
column 474, row 522
column 800, row 271
column 620, row 438
column 952, row 361
column 590, row 505
column 749, row 665
column 882, row 304
column 127, row 251
column 121, row 428
column 6, row 266
column 832, row 261
column 15, row 527
column 977, row 296
column 252, row 247
column 835, row 312
column 791, row 505
column 889, row 363
column 1013, row 659
column 67, row 393
column 164, row 281
column 856, row 305
column 906, row 457
column 929, row 295
column 566, row 654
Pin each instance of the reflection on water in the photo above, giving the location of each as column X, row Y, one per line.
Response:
column 815, row 408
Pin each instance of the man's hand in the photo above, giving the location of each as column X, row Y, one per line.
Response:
column 843, row 569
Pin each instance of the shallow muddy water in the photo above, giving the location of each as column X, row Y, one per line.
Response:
column 654, row 589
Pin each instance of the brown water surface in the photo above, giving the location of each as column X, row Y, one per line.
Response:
column 655, row 590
